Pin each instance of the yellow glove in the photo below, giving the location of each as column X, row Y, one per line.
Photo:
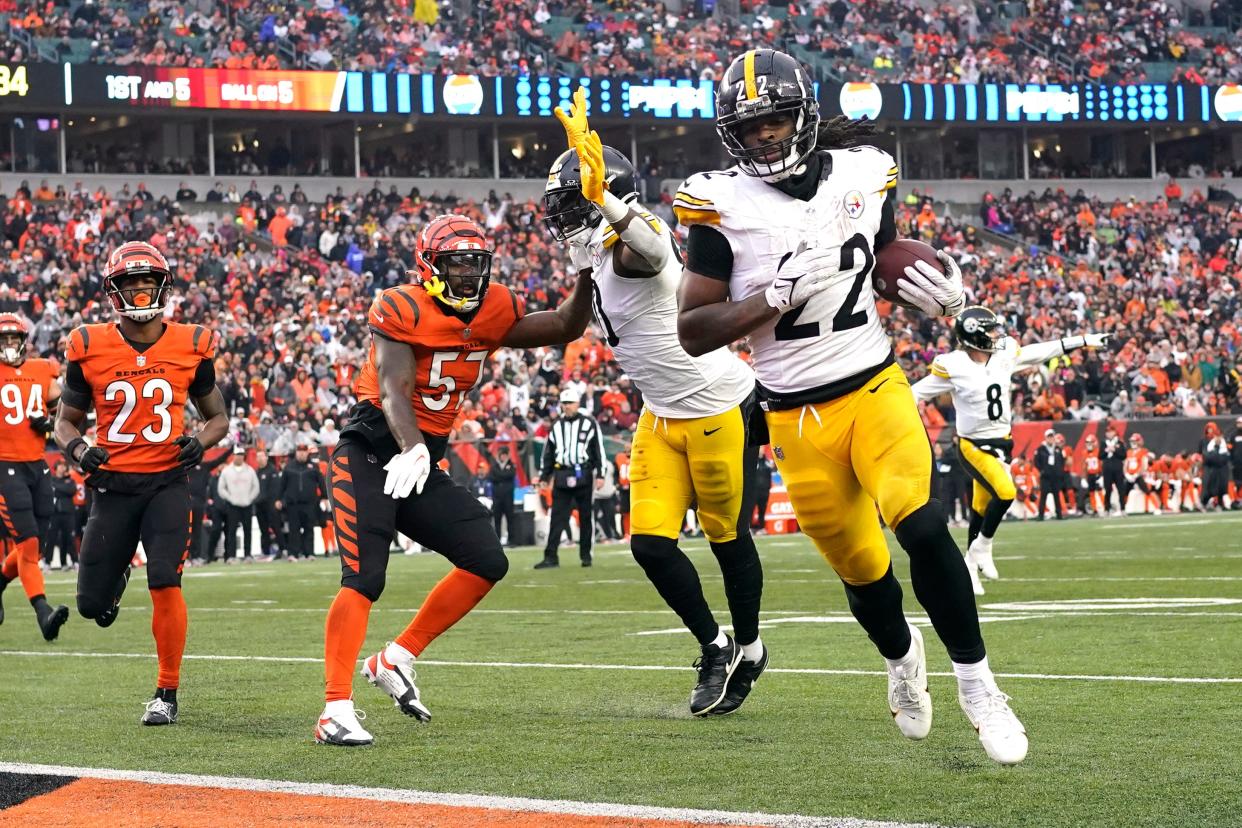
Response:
column 575, row 121
column 591, row 164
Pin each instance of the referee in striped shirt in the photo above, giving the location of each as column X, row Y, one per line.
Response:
column 572, row 458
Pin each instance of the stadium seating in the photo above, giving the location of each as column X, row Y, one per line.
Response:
column 1057, row 41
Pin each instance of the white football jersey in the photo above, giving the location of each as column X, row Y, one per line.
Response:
column 837, row 335
column 981, row 390
column 639, row 319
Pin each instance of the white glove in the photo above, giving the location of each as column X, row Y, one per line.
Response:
column 1096, row 340
column 807, row 273
column 933, row 292
column 407, row 472
column 580, row 257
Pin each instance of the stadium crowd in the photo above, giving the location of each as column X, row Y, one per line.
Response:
column 288, row 284
column 1045, row 41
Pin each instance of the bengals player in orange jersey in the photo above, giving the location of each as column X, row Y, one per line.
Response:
column 430, row 341
column 138, row 373
column 28, row 390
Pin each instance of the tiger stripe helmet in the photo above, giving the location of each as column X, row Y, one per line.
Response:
column 14, row 336
column 132, row 259
column 456, row 242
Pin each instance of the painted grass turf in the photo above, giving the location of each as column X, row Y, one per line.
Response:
column 1103, row 753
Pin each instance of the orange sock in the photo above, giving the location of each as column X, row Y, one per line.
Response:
column 27, row 553
column 9, row 570
column 344, row 633
column 169, row 621
column 447, row 603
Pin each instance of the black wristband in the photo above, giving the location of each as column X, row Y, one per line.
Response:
column 73, row 444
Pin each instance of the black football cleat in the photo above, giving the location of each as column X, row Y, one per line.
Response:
column 51, row 622
column 740, row 685
column 105, row 619
column 586, row 562
column 548, row 563
column 161, row 710
column 716, row 665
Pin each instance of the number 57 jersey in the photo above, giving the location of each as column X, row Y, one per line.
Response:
column 834, row 342
column 449, row 350
column 139, row 395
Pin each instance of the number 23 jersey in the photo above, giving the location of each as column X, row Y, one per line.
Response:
column 139, row 396
column 812, row 351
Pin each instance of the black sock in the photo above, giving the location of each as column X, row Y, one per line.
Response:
column 941, row 582
column 994, row 515
column 167, row 694
column 743, row 584
column 877, row 606
column 976, row 524
column 41, row 607
column 677, row 581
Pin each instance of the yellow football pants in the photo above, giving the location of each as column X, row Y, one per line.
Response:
column 841, row 458
column 989, row 473
column 676, row 462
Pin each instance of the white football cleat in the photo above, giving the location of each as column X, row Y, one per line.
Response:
column 398, row 682
column 339, row 725
column 1002, row 735
column 908, row 699
column 979, row 556
column 975, row 584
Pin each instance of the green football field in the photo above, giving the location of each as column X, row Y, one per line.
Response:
column 1119, row 641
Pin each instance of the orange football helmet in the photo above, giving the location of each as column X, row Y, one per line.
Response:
column 136, row 258
column 454, row 261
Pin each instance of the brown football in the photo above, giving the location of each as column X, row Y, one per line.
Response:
column 891, row 263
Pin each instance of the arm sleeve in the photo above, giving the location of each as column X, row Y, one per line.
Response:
column 597, row 450
column 1038, row 353
column 931, row 386
column 708, row 252
column 77, row 391
column 888, row 221
column 549, row 452
column 204, row 379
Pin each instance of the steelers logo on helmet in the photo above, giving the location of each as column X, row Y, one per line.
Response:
column 568, row 215
column 453, row 261
column 138, row 281
column 14, row 335
column 766, row 114
column 979, row 329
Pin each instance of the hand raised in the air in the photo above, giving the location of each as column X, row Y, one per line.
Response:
column 592, row 167
column 575, row 120
column 1096, row 340
column 933, row 292
column 807, row 273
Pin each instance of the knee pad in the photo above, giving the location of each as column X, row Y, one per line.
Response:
column 369, row 585
column 491, row 566
column 92, row 606
column 925, row 524
column 649, row 550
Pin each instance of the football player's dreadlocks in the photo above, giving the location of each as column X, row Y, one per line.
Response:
column 842, row 132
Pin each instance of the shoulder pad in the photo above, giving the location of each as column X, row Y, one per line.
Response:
column 79, row 343
column 204, row 342
column 701, row 197
column 872, row 164
column 395, row 313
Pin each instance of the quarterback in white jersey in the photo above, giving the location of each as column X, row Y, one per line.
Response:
column 780, row 249
column 690, row 442
column 979, row 376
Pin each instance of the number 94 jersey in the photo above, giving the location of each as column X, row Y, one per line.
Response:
column 25, row 391
column 449, row 350
column 139, row 396
column 814, row 350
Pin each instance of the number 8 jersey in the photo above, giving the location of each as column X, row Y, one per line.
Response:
column 139, row 395
column 833, row 343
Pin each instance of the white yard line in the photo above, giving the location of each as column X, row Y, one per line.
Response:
column 537, row 665
column 505, row 803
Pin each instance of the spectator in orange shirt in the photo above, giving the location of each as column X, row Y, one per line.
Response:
column 279, row 228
